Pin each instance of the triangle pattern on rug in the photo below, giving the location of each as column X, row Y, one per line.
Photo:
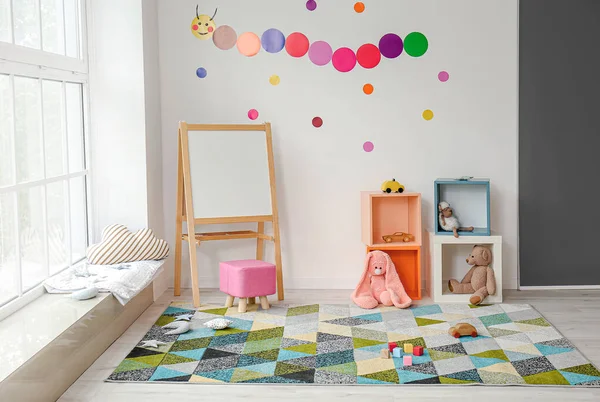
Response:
column 341, row 344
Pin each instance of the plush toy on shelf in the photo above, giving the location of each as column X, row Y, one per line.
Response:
column 480, row 280
column 392, row 186
column 448, row 221
column 380, row 283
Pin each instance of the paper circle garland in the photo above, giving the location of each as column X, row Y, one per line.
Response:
column 344, row 59
column 296, row 44
column 415, row 44
column 273, row 40
column 320, row 53
column 248, row 44
column 224, row 37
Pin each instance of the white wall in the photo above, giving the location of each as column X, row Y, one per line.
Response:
column 320, row 172
column 118, row 140
column 126, row 131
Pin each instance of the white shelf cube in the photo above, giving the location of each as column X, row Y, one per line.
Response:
column 437, row 266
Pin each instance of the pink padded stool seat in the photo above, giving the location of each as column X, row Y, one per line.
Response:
column 247, row 279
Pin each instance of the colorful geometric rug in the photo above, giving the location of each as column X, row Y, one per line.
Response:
column 341, row 344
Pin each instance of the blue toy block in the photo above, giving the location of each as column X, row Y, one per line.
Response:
column 397, row 352
column 469, row 199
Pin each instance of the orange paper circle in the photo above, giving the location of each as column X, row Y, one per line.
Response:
column 248, row 44
column 368, row 89
column 359, row 7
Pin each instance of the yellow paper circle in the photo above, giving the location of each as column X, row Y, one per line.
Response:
column 274, row 79
column 428, row 114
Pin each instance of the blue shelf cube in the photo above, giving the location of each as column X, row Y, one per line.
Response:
column 470, row 201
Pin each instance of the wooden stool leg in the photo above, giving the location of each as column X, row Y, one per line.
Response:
column 264, row 303
column 242, row 306
column 229, row 301
column 252, row 300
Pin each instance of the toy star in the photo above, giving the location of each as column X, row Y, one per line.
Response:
column 152, row 344
column 184, row 317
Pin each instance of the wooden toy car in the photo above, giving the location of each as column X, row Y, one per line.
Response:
column 462, row 329
column 392, row 186
column 398, row 237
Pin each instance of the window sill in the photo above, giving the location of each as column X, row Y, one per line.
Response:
column 28, row 330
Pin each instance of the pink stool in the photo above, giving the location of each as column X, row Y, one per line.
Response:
column 247, row 279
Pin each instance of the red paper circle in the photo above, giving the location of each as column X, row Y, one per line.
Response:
column 317, row 122
column 296, row 44
column 368, row 55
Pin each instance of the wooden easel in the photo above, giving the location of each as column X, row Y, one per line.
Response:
column 185, row 209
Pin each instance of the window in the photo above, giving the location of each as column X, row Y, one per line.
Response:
column 43, row 174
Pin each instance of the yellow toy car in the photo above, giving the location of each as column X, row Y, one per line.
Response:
column 392, row 186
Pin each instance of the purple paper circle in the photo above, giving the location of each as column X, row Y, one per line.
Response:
column 320, row 53
column 368, row 146
column 443, row 76
column 311, row 5
column 391, row 46
column 273, row 40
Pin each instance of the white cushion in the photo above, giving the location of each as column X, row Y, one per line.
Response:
column 119, row 245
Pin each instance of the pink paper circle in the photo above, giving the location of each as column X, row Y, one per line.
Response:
column 443, row 76
column 344, row 59
column 253, row 114
column 368, row 146
column 320, row 53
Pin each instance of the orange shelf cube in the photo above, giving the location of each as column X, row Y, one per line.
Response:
column 384, row 214
column 407, row 260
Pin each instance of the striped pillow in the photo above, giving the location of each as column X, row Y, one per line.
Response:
column 120, row 245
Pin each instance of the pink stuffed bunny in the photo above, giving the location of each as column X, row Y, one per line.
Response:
column 380, row 284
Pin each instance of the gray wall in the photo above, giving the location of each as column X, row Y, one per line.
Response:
column 559, row 142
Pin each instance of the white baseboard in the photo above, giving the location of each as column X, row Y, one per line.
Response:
column 568, row 287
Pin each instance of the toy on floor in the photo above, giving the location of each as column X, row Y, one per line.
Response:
column 480, row 279
column 397, row 352
column 392, row 186
column 152, row 344
column 398, row 237
column 448, row 221
column 462, row 329
column 408, row 348
column 391, row 346
column 380, row 283
column 418, row 350
column 177, row 327
column 407, row 360
column 218, row 323
column 385, row 354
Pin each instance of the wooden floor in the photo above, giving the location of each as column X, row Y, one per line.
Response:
column 576, row 314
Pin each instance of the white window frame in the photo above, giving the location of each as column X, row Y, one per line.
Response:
column 19, row 61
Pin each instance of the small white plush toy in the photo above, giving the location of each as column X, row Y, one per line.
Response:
column 218, row 323
column 448, row 221
column 177, row 327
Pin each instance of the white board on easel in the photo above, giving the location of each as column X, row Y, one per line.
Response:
column 226, row 174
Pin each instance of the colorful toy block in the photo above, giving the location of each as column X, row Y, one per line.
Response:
column 397, row 352
column 407, row 360
column 418, row 351
column 408, row 348
column 385, row 354
column 391, row 346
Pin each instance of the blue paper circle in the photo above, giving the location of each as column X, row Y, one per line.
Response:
column 273, row 40
column 201, row 72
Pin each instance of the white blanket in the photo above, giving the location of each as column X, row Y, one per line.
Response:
column 124, row 281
